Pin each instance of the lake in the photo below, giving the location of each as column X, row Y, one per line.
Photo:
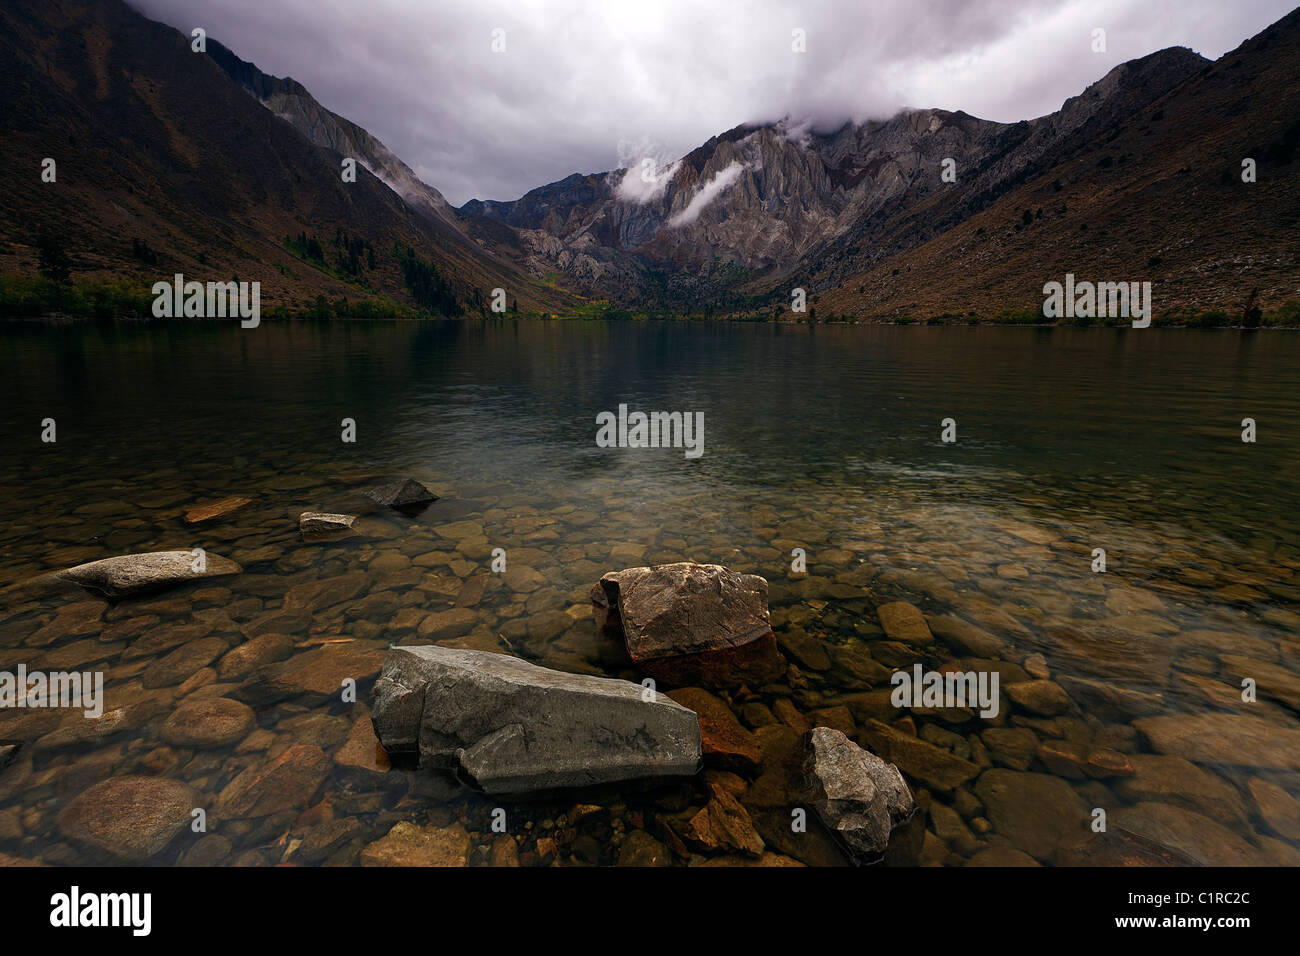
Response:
column 827, row 439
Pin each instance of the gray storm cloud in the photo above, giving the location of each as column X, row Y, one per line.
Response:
column 578, row 82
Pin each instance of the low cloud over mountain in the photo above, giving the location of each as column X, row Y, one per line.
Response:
column 591, row 86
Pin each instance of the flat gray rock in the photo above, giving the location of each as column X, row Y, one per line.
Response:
column 861, row 798
column 132, row 574
column 318, row 522
column 513, row 727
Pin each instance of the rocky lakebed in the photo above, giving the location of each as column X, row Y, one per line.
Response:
column 364, row 671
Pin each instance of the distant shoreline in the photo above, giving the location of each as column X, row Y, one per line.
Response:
column 57, row 319
column 128, row 298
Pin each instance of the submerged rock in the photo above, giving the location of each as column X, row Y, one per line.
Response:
column 1034, row 811
column 1042, row 697
column 133, row 818
column 641, row 849
column 1174, row 780
column 1278, row 809
column 1197, row 837
column 286, row 783
column 1236, row 740
column 362, row 752
column 409, row 845
column 8, row 752
column 215, row 509
column 1275, row 682
column 1013, row 747
column 400, row 493
column 71, row 620
column 324, row 592
column 691, row 623
column 1102, row 650
column 1002, row 856
column 324, row 840
column 208, row 722
column 132, row 574
column 1111, row 700
column 444, row 625
column 315, row 676
column 931, row 765
column 512, row 727
column 904, row 622
column 319, row 522
column 861, row 798
column 968, row 638
column 722, row 826
column 725, row 742
column 258, row 652
column 182, row 663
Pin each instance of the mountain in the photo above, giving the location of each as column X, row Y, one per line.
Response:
column 172, row 161
column 290, row 101
column 793, row 192
column 862, row 217
column 166, row 163
column 1154, row 194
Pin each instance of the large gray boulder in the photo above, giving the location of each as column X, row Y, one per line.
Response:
column 860, row 798
column 691, row 623
column 132, row 574
column 509, row 726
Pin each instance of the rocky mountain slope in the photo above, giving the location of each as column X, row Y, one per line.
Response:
column 780, row 193
column 1152, row 194
column 164, row 165
column 737, row 222
column 290, row 100
column 175, row 161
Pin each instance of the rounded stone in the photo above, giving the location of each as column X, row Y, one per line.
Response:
column 208, row 722
column 132, row 818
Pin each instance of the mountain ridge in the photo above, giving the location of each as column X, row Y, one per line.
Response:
column 862, row 216
column 165, row 165
column 801, row 192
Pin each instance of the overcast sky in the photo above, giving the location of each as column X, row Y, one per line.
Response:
column 601, row 84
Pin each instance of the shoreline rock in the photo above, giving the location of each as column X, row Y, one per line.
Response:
column 315, row 523
column 1236, row 740
column 208, row 722
column 131, row 574
column 691, row 623
column 509, row 726
column 133, row 818
column 215, row 509
column 860, row 798
column 726, row 744
column 401, row 494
